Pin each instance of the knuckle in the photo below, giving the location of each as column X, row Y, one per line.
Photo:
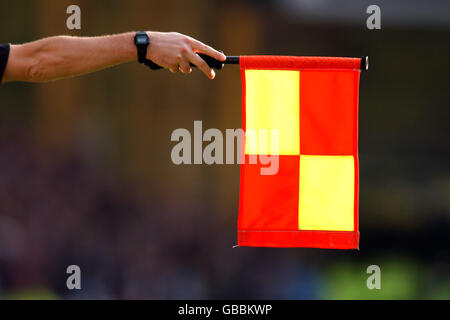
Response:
column 186, row 69
column 184, row 49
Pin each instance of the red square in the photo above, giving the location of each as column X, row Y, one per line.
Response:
column 269, row 202
column 328, row 112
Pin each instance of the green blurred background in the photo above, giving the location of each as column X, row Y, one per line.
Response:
column 86, row 176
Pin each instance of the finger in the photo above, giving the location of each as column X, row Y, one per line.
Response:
column 173, row 69
column 185, row 67
column 201, row 64
column 203, row 48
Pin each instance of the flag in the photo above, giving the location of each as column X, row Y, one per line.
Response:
column 311, row 103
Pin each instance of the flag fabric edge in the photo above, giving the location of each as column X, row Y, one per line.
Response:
column 301, row 238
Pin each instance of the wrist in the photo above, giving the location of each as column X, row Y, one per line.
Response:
column 152, row 36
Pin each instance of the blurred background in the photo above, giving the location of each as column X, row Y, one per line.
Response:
column 86, row 176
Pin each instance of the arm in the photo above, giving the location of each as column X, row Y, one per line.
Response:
column 63, row 56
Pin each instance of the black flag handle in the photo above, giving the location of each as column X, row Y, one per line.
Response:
column 212, row 63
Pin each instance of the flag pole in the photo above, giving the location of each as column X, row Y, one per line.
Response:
column 364, row 63
column 235, row 60
column 216, row 64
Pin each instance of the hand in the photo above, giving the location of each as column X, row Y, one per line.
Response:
column 174, row 51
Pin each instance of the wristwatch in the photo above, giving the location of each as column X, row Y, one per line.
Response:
column 141, row 40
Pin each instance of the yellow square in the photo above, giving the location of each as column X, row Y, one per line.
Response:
column 272, row 103
column 327, row 189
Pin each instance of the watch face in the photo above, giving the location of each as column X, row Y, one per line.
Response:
column 141, row 39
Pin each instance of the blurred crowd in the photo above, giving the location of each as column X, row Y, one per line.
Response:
column 57, row 212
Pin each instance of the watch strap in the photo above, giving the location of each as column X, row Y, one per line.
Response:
column 141, row 49
column 151, row 64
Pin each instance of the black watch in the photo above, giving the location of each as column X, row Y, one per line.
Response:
column 141, row 40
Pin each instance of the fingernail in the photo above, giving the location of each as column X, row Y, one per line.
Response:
column 212, row 74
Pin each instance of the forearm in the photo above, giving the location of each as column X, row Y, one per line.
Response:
column 63, row 56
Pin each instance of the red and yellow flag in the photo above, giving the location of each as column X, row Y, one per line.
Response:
column 312, row 200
